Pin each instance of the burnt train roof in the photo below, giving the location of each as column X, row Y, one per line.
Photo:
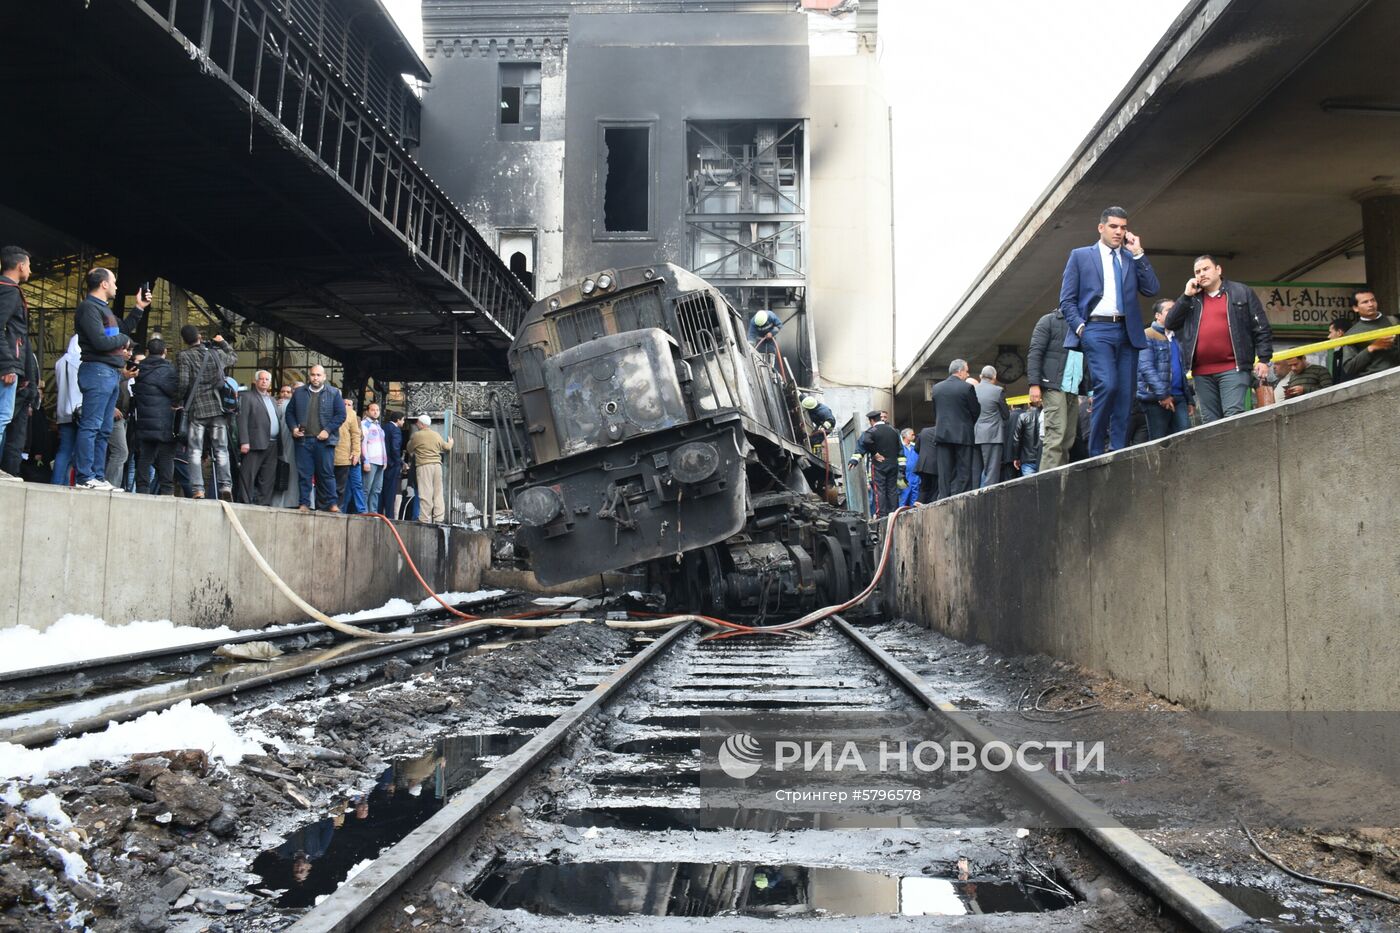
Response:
column 633, row 277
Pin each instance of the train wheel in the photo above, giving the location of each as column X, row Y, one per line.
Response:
column 837, row 576
column 704, row 582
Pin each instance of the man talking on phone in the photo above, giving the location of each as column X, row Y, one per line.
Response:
column 1099, row 299
column 1223, row 331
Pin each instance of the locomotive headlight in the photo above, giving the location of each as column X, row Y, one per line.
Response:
column 694, row 462
column 538, row 505
column 588, row 286
column 554, row 304
column 605, row 281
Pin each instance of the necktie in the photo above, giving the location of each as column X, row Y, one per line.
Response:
column 1118, row 278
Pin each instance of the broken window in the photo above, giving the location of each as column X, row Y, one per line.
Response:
column 517, row 248
column 626, row 172
column 519, row 101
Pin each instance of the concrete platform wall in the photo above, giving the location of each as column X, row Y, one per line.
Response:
column 126, row 557
column 1250, row 564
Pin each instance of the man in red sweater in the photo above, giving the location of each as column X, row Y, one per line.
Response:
column 1225, row 338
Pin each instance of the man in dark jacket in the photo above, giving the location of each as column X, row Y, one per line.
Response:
column 1223, row 329
column 156, row 392
column 1336, row 329
column 201, row 371
column 1163, row 389
column 314, row 417
column 881, row 443
column 105, row 344
column 258, row 429
column 1046, row 365
column 393, row 468
column 14, row 338
column 1026, row 433
column 1363, row 359
column 926, row 447
column 955, row 412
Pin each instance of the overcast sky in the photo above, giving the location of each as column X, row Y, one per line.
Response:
column 990, row 99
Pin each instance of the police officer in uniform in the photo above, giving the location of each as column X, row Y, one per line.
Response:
column 881, row 443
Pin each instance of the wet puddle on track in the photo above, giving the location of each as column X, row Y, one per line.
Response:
column 699, row 889
column 315, row 859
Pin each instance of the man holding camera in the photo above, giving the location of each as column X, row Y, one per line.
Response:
column 201, row 373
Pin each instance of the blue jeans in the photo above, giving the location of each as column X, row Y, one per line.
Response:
column 374, row 484
column 1221, row 395
column 1162, row 423
column 1112, row 363
column 100, row 385
column 7, row 407
column 316, row 458
column 217, row 429
column 63, row 460
column 352, row 497
column 1029, row 469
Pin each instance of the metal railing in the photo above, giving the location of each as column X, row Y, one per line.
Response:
column 285, row 80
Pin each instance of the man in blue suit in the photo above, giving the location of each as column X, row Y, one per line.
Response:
column 1099, row 299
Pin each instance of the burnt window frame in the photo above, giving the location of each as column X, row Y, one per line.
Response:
column 522, row 130
column 601, row 233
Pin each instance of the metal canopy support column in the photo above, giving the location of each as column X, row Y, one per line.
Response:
column 1380, row 231
column 452, row 407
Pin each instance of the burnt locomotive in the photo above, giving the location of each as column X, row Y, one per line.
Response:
column 657, row 436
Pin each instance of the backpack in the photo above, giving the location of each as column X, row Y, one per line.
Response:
column 227, row 394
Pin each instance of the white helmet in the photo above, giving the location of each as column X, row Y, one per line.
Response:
column 760, row 319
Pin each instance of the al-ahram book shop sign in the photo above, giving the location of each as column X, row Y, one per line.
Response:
column 1303, row 304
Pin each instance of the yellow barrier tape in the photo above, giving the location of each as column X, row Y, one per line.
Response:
column 1364, row 337
column 1369, row 336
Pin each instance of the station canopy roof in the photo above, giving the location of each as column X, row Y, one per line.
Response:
column 1248, row 132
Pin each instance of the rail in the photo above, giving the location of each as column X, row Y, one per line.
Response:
column 355, row 904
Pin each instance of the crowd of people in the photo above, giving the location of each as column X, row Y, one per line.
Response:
column 1099, row 380
column 133, row 419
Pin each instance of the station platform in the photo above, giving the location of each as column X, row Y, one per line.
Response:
column 123, row 557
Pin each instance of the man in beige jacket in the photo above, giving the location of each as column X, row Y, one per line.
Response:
column 425, row 449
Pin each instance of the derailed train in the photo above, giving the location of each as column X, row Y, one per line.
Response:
column 657, row 436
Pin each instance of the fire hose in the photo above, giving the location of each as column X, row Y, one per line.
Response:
column 638, row 621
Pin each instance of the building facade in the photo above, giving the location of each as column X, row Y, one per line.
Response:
column 744, row 140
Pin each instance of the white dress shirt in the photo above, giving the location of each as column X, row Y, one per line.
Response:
column 1108, row 304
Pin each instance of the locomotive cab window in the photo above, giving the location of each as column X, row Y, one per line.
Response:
column 624, row 176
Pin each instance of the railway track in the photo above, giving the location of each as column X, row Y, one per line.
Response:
column 40, row 705
column 657, row 794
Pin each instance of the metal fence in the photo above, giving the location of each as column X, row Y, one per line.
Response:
column 856, row 477
column 469, row 480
